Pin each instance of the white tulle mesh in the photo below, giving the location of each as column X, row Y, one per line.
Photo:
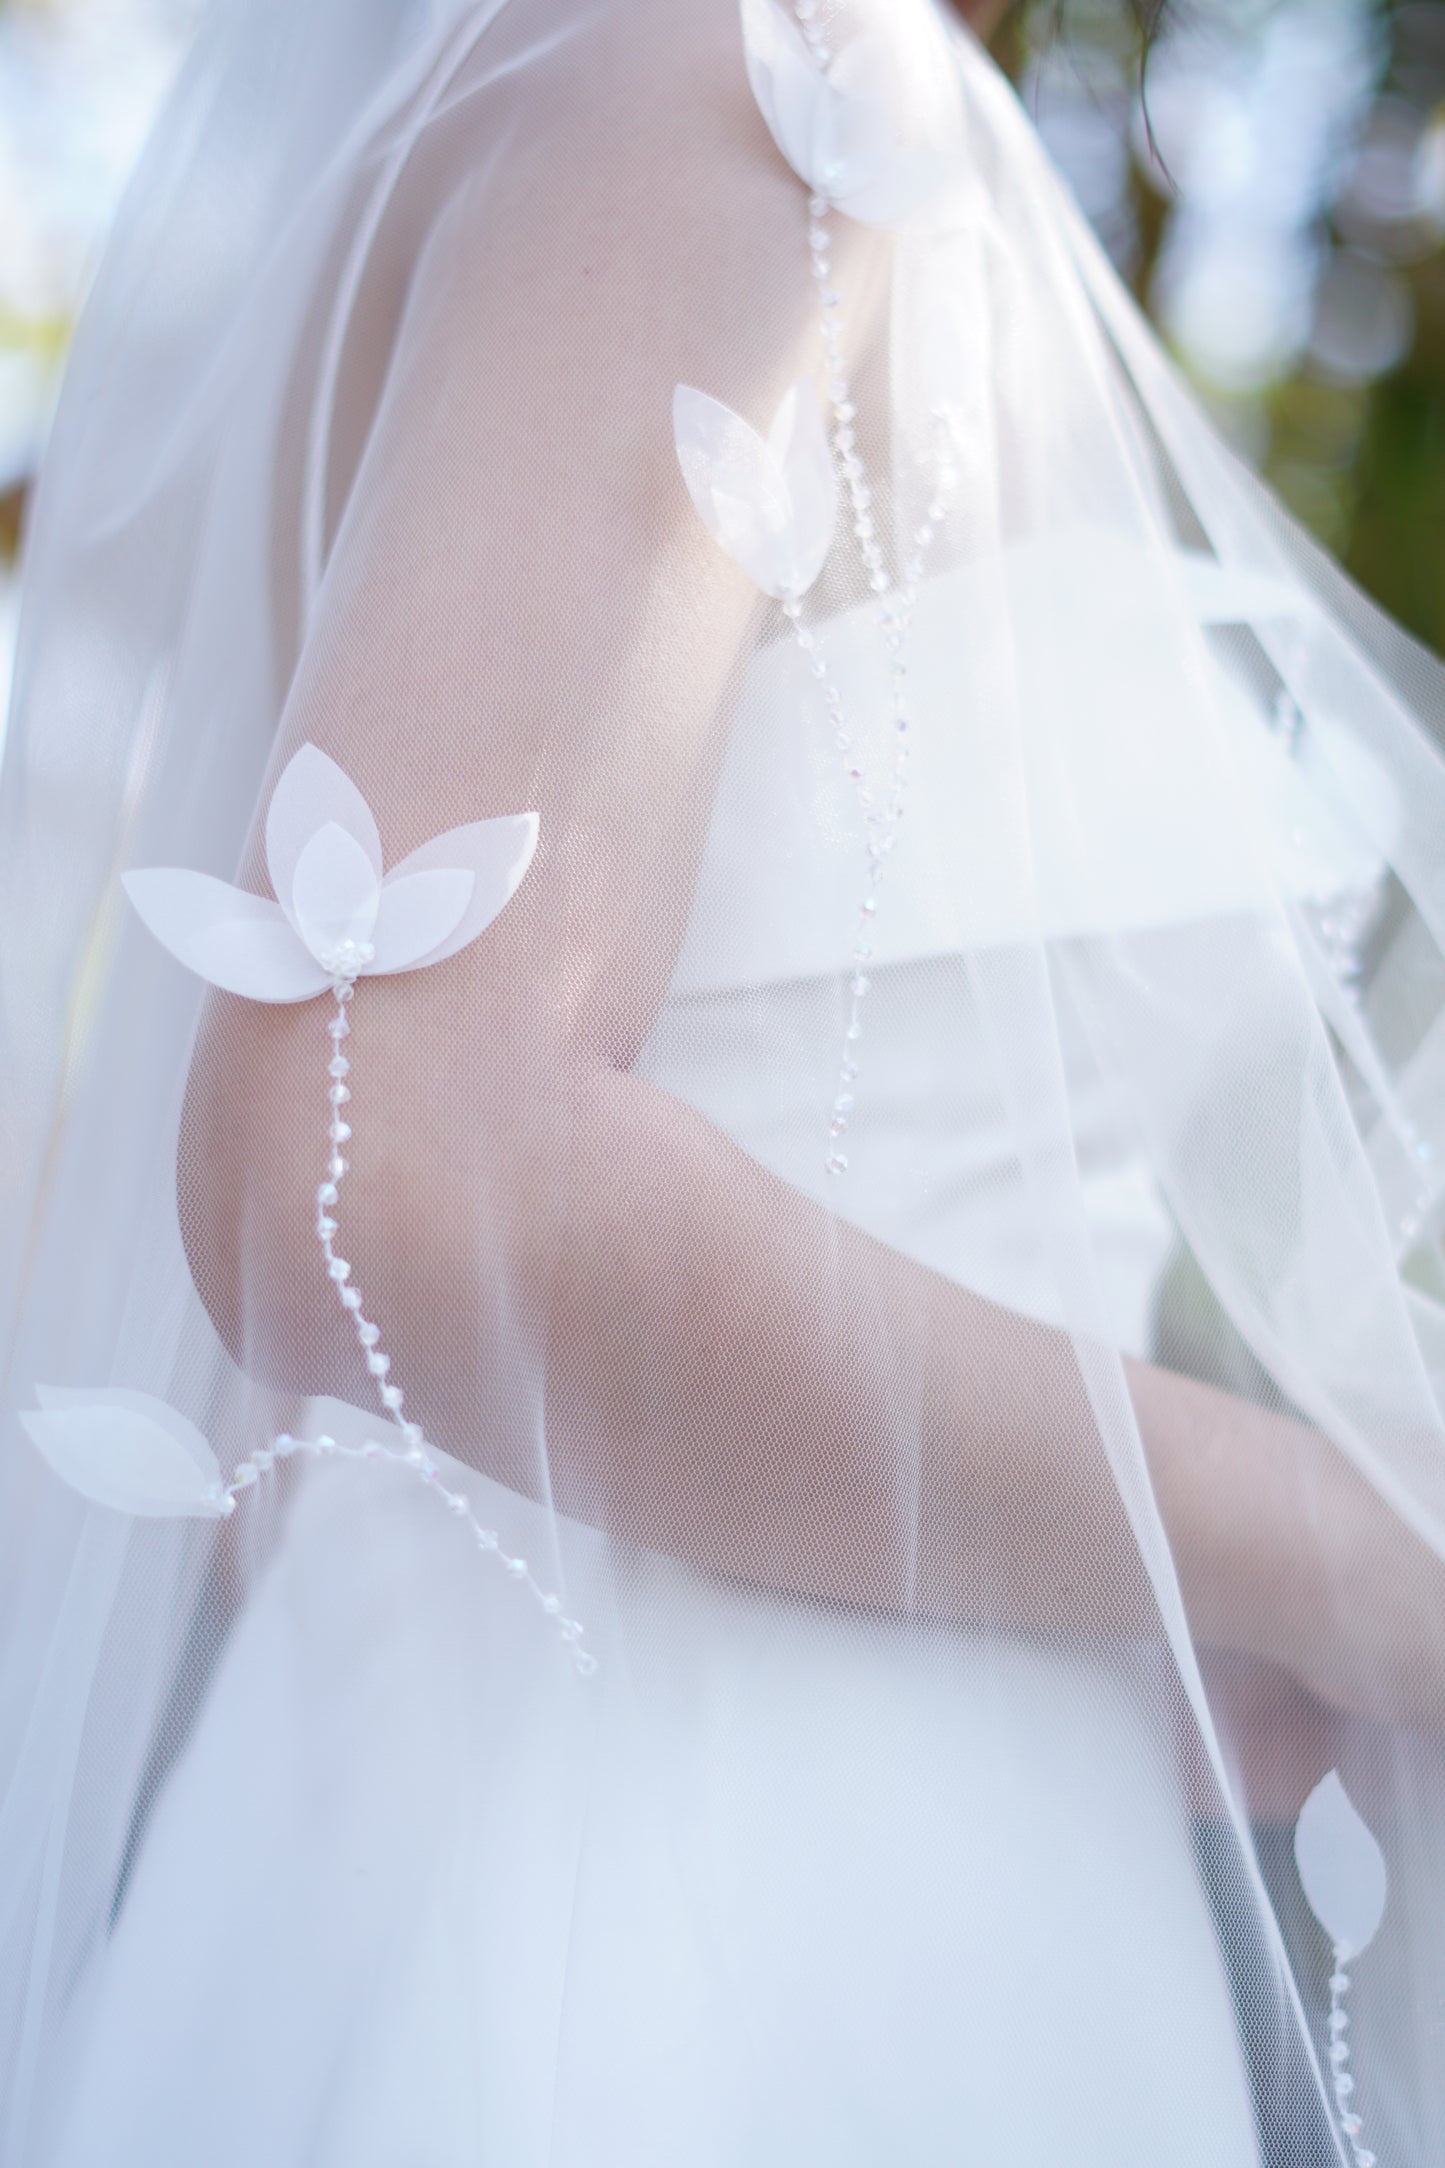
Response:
column 985, row 1550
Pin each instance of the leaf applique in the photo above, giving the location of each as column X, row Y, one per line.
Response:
column 1341, row 1867
column 127, row 1451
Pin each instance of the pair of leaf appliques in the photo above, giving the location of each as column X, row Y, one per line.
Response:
column 336, row 913
column 877, row 132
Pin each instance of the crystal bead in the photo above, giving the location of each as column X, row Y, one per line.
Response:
column 338, row 1028
column 351, row 1296
column 517, row 1567
column 339, row 1269
column 1344, row 2086
column 338, row 1095
column 326, row 1193
column 338, row 1066
column 391, row 1397
column 456, row 1503
column 486, row 1539
column 368, row 1334
column 338, row 1167
column 836, row 1163
column 378, row 1364
column 1364, row 2158
column 551, row 1605
column 585, row 1663
column 325, row 1226
column 1351, row 2125
column 340, row 1131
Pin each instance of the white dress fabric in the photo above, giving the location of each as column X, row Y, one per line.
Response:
column 926, row 900
column 774, row 1888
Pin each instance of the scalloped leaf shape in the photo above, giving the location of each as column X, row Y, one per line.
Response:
column 324, row 857
column 128, row 1451
column 1341, row 1867
column 771, row 503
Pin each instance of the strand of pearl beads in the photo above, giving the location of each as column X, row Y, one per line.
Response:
column 1339, row 2053
column 413, row 1453
column 894, row 617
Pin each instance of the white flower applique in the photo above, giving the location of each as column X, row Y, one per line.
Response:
column 770, row 502
column 1342, row 1872
column 875, row 129
column 336, row 914
column 337, row 918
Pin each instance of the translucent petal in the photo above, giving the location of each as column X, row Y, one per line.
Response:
column 335, row 892
column 799, row 442
column 229, row 937
column 418, row 912
column 787, row 86
column 313, row 790
column 495, row 852
column 127, row 1451
column 1340, row 1866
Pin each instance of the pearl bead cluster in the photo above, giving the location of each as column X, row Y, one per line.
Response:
column 413, row 1452
column 1339, row 2054
column 882, row 811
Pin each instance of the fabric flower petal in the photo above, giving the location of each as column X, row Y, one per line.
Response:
column 229, row 937
column 127, row 1451
column 798, row 441
column 1341, row 1867
column 312, row 790
column 418, row 912
column 785, row 81
column 335, row 893
column 738, row 487
column 495, row 852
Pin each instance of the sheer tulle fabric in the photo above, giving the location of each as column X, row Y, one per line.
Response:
column 896, row 1811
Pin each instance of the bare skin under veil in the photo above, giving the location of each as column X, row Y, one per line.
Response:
column 480, row 587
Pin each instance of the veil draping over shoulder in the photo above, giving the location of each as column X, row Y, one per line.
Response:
column 368, row 441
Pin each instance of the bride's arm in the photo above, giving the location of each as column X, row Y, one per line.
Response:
column 522, row 610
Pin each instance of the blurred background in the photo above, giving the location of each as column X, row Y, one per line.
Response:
column 1271, row 182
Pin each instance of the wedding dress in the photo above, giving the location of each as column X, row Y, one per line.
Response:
column 409, row 1757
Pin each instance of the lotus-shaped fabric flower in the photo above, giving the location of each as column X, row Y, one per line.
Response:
column 878, row 131
column 769, row 502
column 127, row 1451
column 1341, row 1867
column 337, row 915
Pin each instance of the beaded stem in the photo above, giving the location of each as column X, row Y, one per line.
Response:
column 413, row 1453
column 1339, row 2051
column 895, row 613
